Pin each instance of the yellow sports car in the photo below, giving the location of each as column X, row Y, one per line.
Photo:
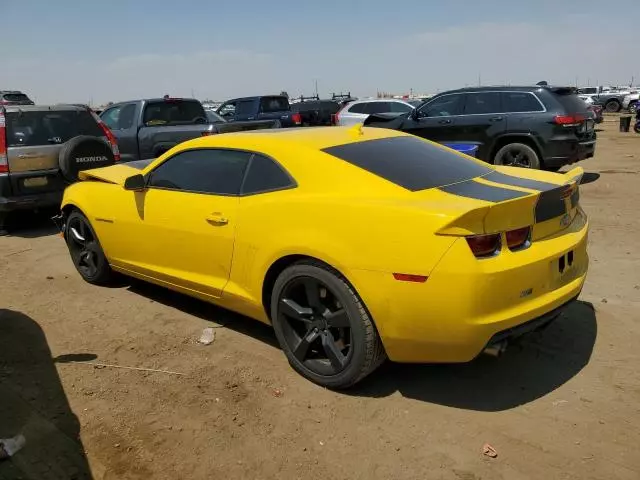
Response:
column 356, row 244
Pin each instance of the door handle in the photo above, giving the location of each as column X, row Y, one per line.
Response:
column 217, row 219
column 444, row 122
column 496, row 119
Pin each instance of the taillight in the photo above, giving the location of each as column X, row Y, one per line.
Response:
column 569, row 120
column 484, row 245
column 334, row 119
column 296, row 118
column 113, row 141
column 518, row 238
column 4, row 161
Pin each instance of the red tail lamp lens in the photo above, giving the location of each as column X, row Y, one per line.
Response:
column 484, row 245
column 518, row 238
column 297, row 118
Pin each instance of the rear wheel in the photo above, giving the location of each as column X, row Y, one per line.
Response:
column 323, row 327
column 517, row 155
column 612, row 106
column 633, row 107
column 86, row 252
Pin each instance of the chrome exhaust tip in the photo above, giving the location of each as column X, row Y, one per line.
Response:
column 496, row 349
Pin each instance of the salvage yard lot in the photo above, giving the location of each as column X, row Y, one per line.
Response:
column 565, row 404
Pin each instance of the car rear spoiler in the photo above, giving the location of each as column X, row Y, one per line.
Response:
column 519, row 212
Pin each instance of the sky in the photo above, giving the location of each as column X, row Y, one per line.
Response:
column 94, row 51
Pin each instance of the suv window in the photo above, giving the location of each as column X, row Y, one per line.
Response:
column 127, row 115
column 358, row 107
column 571, row 102
column 274, row 104
column 264, row 175
column 443, row 106
column 521, row 102
column 228, row 109
column 120, row 117
column 173, row 112
column 397, row 107
column 213, row 171
column 49, row 127
column 16, row 97
column 482, row 103
column 378, row 107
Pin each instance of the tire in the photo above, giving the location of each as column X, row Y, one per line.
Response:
column 636, row 127
column 633, row 106
column 308, row 337
column 509, row 154
column 85, row 250
column 612, row 106
column 82, row 153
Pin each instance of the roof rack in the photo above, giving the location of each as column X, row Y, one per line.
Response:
column 302, row 98
column 341, row 96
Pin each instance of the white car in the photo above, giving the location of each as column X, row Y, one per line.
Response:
column 588, row 99
column 630, row 102
column 358, row 111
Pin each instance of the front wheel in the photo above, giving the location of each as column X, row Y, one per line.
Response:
column 323, row 327
column 612, row 106
column 633, row 107
column 86, row 252
column 517, row 155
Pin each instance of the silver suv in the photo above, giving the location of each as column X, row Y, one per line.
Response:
column 42, row 149
column 358, row 111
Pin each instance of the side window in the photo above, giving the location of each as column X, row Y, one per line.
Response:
column 214, row 171
column 378, row 107
column 228, row 109
column 521, row 102
column 443, row 106
column 358, row 108
column 111, row 117
column 264, row 175
column 127, row 114
column 482, row 103
column 245, row 107
column 397, row 107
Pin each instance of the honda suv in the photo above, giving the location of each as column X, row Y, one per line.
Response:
column 534, row 127
column 42, row 149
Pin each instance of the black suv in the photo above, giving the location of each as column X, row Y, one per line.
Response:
column 534, row 127
column 42, row 149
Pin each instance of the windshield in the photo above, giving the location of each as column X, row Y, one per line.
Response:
column 410, row 162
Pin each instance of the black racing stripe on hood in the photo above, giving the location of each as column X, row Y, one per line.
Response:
column 551, row 204
column 138, row 164
column 480, row 191
column 512, row 181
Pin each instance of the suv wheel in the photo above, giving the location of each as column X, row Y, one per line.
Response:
column 633, row 107
column 612, row 106
column 517, row 155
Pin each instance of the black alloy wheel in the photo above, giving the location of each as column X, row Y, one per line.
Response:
column 517, row 155
column 85, row 250
column 322, row 326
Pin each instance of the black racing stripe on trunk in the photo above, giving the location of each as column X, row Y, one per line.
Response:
column 519, row 181
column 480, row 191
column 137, row 164
column 551, row 204
column 575, row 197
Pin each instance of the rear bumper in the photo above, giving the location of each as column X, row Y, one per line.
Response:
column 467, row 304
column 565, row 153
column 10, row 184
column 31, row 202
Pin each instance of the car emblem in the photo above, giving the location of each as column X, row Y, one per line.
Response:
column 565, row 220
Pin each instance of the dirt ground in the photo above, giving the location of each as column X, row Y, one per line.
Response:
column 565, row 405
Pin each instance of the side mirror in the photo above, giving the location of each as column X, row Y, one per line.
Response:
column 135, row 183
column 415, row 115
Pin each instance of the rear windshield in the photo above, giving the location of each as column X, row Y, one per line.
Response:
column 409, row 162
column 274, row 104
column 328, row 106
column 16, row 97
column 571, row 102
column 49, row 127
column 174, row 112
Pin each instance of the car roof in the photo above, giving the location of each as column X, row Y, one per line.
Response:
column 44, row 108
column 368, row 100
column 490, row 88
column 255, row 97
column 314, row 138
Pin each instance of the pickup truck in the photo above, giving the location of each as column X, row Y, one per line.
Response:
column 146, row 129
column 269, row 107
